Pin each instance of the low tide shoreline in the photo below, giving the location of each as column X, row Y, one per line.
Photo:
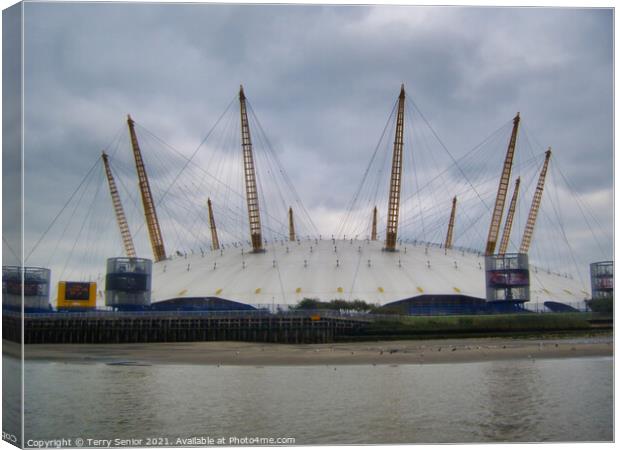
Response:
column 360, row 353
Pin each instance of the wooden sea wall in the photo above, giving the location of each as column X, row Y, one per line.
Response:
column 106, row 328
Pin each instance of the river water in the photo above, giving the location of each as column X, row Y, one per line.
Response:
column 494, row 401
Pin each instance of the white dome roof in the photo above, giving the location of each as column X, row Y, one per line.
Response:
column 287, row 272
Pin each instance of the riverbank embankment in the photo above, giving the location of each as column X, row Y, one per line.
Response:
column 428, row 351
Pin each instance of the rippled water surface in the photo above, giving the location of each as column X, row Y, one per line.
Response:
column 527, row 400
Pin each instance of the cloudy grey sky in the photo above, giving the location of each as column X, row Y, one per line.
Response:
column 322, row 80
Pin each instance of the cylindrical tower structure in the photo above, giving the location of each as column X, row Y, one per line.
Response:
column 602, row 279
column 36, row 288
column 507, row 278
column 128, row 283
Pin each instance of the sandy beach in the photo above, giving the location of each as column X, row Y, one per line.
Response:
column 363, row 353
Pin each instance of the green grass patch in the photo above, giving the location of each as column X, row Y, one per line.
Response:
column 552, row 334
column 602, row 305
column 500, row 323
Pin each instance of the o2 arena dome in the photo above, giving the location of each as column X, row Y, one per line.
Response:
column 228, row 230
column 285, row 271
column 326, row 269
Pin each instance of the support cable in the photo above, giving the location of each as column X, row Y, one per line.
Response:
column 87, row 176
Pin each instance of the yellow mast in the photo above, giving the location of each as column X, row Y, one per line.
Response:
column 503, row 246
column 373, row 234
column 448, row 243
column 215, row 242
column 251, row 189
column 498, row 211
column 130, row 251
column 395, row 179
column 291, row 225
column 150, row 214
column 531, row 219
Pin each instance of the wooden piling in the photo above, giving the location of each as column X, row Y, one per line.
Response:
column 114, row 327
